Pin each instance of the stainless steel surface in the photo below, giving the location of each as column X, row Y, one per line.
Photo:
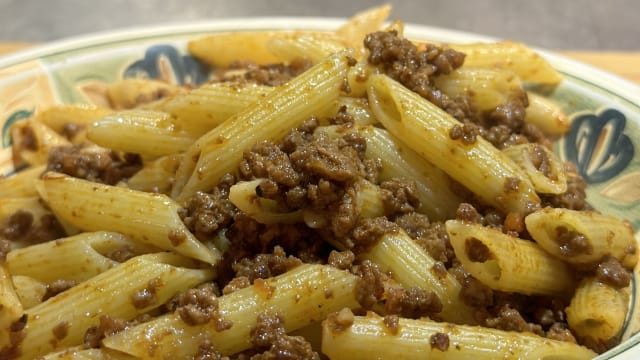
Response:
column 553, row 24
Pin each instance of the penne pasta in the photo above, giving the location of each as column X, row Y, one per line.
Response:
column 301, row 296
column 206, row 107
column 597, row 311
column 133, row 288
column 363, row 23
column 147, row 218
column 131, row 92
column 524, row 61
column 543, row 168
column 32, row 141
column 582, row 237
column 487, row 88
column 30, row 291
column 412, row 266
column 506, row 263
column 145, row 132
column 76, row 258
column 437, row 199
column 80, row 353
column 368, row 337
column 21, row 184
column 313, row 47
column 425, row 128
column 546, row 115
column 243, row 195
column 156, row 176
column 11, row 308
column 219, row 151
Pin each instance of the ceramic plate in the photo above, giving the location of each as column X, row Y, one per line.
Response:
column 604, row 139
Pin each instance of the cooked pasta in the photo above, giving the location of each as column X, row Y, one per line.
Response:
column 316, row 176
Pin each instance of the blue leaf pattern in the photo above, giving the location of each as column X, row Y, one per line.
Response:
column 15, row 116
column 596, row 143
column 186, row 68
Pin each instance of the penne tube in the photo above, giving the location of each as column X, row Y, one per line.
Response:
column 29, row 290
column 219, row 151
column 80, row 353
column 22, row 183
column 131, row 92
column 357, row 108
column 362, row 24
column 32, row 141
column 369, row 200
column 314, row 47
column 156, row 176
column 75, row 258
column 146, row 132
column 547, row 115
column 597, row 311
column 11, row 308
column 437, row 199
column 412, row 266
column 30, row 204
column 582, row 237
column 243, row 195
column 487, row 88
column 524, row 61
column 72, row 120
column 369, row 338
column 208, row 106
column 147, row 218
column 425, row 128
column 543, row 168
column 505, row 263
column 135, row 287
column 222, row 49
column 301, row 296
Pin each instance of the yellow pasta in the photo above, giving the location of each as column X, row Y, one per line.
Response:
column 144, row 217
column 547, row 115
column 217, row 152
column 582, row 237
column 368, row 337
column 32, row 141
column 140, row 284
column 21, row 184
column 425, row 128
column 505, row 263
column 300, row 296
column 543, row 168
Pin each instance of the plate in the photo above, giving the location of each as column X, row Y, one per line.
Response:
column 604, row 139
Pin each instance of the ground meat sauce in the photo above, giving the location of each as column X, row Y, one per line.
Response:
column 572, row 243
column 93, row 163
column 270, row 336
column 56, row 287
column 320, row 175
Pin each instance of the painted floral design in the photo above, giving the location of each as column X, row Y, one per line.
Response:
column 165, row 62
column 596, row 143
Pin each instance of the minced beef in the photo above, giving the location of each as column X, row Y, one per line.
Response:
column 108, row 326
column 206, row 213
column 269, row 334
column 399, row 196
column 21, row 226
column 476, row 294
column 370, row 286
column 439, row 341
column 400, row 59
column 237, row 283
column 61, row 330
column 392, row 323
column 560, row 331
column 56, row 287
column 146, row 296
column 540, row 160
column 341, row 320
column 199, row 306
column 432, row 237
column 341, row 259
column 18, row 225
column 476, row 250
column 509, row 319
column 468, row 133
column 412, row 303
column 575, row 196
column 5, row 247
column 264, row 266
column 93, row 163
column 572, row 243
column 611, row 272
column 208, row 351
column 121, row 254
column 368, row 232
column 269, row 74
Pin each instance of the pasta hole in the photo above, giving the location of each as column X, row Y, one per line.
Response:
column 571, row 242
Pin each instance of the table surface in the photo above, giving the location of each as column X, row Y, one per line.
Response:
column 622, row 63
